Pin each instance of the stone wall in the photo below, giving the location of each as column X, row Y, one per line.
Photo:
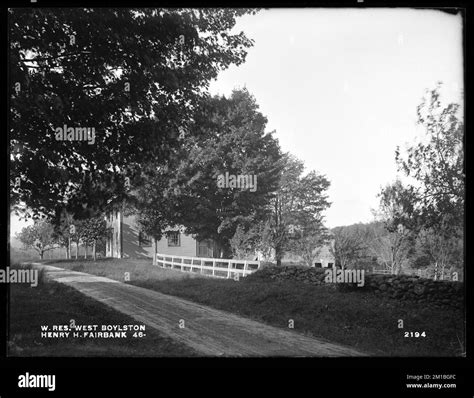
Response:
column 399, row 287
column 291, row 272
column 414, row 288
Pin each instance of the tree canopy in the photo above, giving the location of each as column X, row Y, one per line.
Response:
column 227, row 136
column 436, row 164
column 134, row 75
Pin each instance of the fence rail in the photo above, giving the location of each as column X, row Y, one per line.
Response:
column 216, row 267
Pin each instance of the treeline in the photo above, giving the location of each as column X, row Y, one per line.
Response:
column 371, row 245
column 69, row 234
column 420, row 221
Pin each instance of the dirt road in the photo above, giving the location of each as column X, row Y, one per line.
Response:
column 209, row 331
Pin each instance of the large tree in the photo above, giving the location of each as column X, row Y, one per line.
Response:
column 227, row 137
column 134, row 75
column 436, row 164
column 429, row 206
column 295, row 221
column 299, row 204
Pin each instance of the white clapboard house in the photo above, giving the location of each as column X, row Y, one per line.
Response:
column 126, row 240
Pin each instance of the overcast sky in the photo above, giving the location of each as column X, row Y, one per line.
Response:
column 341, row 87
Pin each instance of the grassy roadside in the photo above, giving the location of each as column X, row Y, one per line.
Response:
column 358, row 319
column 137, row 269
column 56, row 304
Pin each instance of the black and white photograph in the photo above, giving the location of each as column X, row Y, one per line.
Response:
column 236, row 183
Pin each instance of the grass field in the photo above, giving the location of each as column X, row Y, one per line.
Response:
column 358, row 319
column 56, row 304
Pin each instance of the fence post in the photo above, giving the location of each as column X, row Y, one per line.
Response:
column 213, row 267
column 245, row 267
column 201, row 266
column 229, row 264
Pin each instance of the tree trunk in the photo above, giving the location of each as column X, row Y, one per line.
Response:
column 77, row 249
column 93, row 250
column 41, row 253
column 278, row 256
column 398, row 269
column 85, row 251
column 68, row 255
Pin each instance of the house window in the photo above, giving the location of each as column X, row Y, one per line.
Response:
column 174, row 239
column 143, row 239
column 318, row 265
column 330, row 265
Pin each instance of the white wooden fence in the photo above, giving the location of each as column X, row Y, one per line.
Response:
column 216, row 267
